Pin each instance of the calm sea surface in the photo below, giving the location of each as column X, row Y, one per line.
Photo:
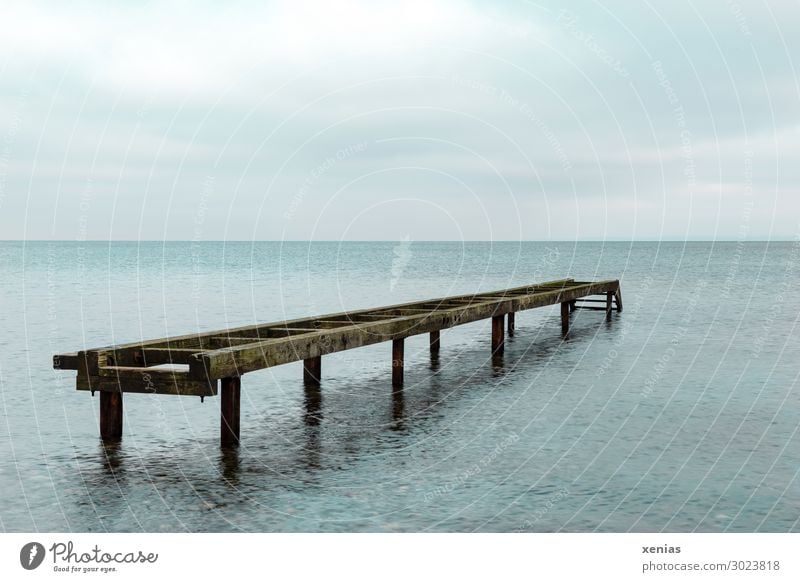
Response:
column 680, row 414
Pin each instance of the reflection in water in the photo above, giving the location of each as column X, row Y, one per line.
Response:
column 111, row 456
column 498, row 365
column 229, row 465
column 435, row 362
column 313, row 404
column 398, row 410
column 313, row 418
column 104, row 478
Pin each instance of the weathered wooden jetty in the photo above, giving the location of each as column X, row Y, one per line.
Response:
column 193, row 365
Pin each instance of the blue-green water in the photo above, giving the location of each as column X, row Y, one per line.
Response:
column 680, row 414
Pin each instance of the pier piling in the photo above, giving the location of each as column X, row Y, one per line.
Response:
column 565, row 309
column 231, row 394
column 110, row 416
column 312, row 370
column 398, row 347
column 434, row 343
column 498, row 334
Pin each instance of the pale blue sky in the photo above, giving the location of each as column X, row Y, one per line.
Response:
column 385, row 120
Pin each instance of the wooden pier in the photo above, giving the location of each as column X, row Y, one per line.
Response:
column 193, row 365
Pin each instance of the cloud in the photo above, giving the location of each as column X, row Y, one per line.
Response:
column 182, row 47
column 616, row 114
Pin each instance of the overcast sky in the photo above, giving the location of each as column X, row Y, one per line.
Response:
column 436, row 119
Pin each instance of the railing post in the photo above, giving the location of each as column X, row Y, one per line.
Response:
column 230, row 399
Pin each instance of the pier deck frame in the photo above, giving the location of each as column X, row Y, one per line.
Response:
column 222, row 357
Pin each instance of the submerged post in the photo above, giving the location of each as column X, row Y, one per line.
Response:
column 609, row 298
column 565, row 318
column 312, row 370
column 511, row 323
column 434, row 342
column 110, row 415
column 498, row 334
column 230, row 395
column 398, row 346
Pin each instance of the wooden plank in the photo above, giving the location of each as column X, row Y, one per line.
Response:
column 68, row 361
column 286, row 332
column 221, row 340
column 148, row 381
column 337, row 324
column 376, row 317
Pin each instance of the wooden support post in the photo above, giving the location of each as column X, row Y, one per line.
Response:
column 434, row 342
column 230, row 395
column 618, row 298
column 573, row 305
column 312, row 370
column 498, row 334
column 565, row 318
column 397, row 362
column 511, row 323
column 609, row 298
column 110, row 415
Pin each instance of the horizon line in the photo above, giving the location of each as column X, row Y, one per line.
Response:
column 643, row 240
